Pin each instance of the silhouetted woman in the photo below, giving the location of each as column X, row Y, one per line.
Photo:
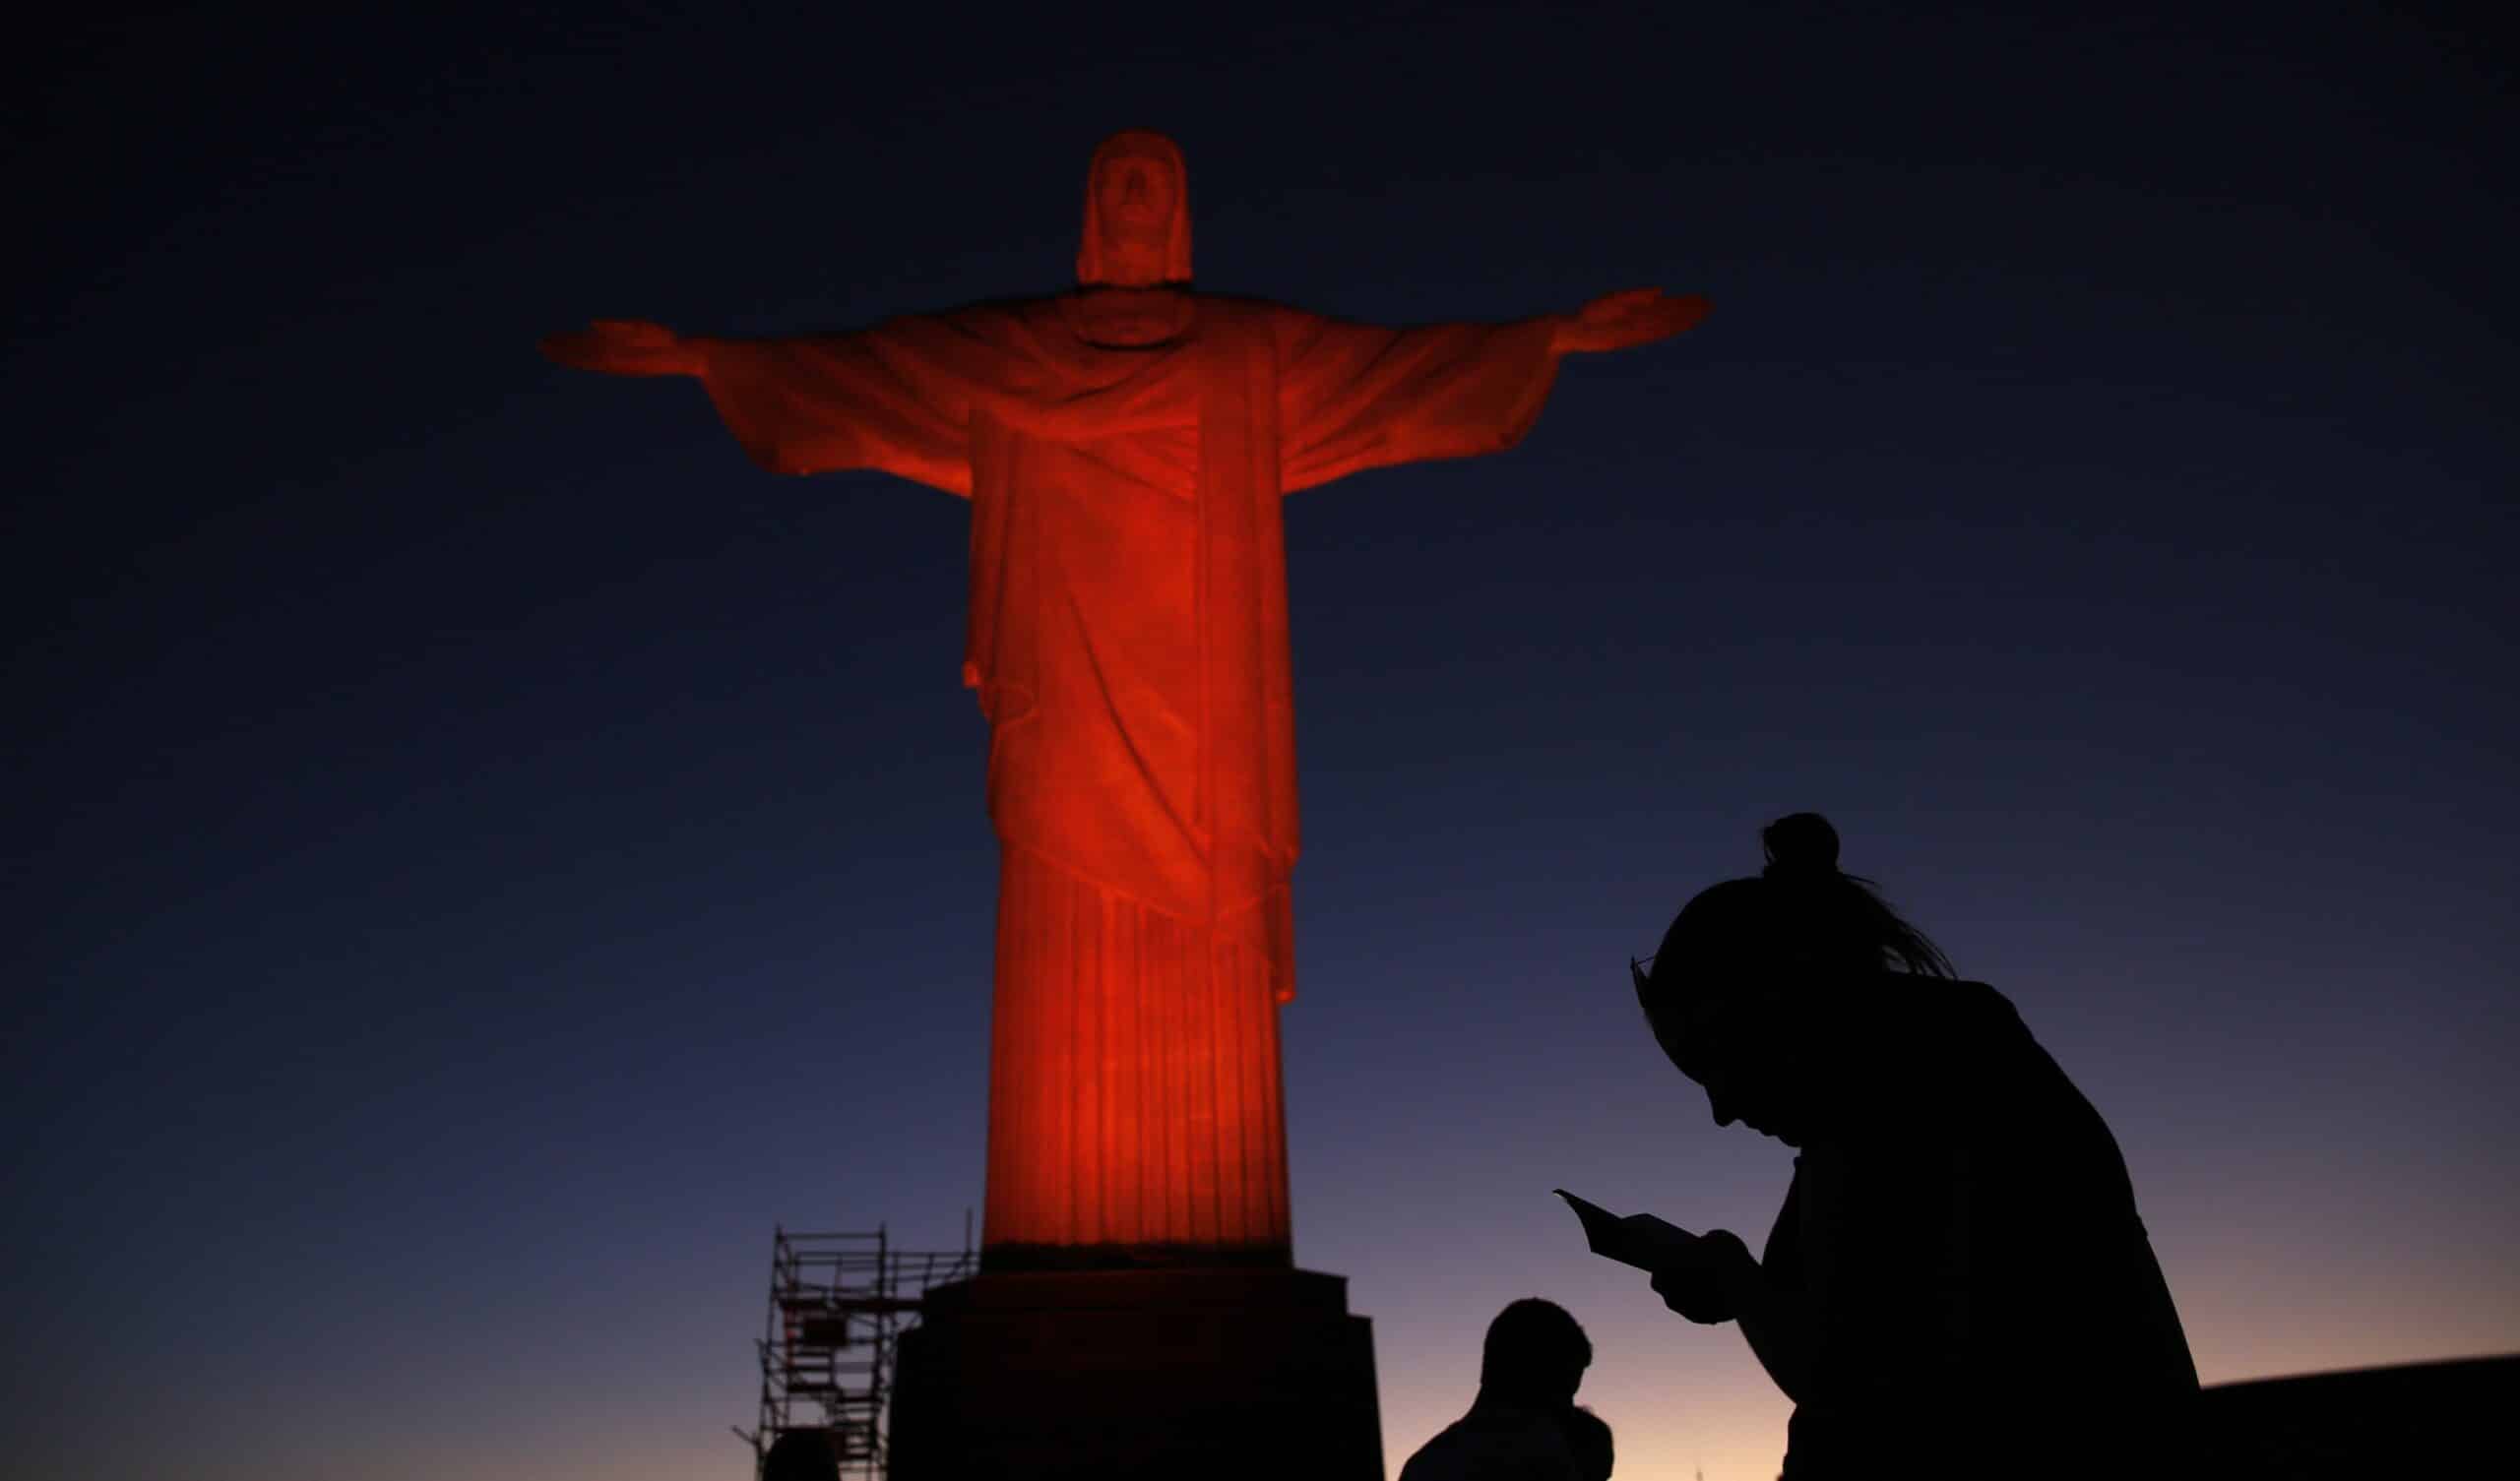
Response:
column 1958, row 1283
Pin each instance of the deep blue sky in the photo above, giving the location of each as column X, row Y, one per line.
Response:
column 481, row 852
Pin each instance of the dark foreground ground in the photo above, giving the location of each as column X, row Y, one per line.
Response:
column 2416, row 1419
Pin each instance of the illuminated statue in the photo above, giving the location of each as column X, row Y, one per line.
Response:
column 1124, row 447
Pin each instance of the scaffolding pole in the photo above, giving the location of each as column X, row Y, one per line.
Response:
column 838, row 1303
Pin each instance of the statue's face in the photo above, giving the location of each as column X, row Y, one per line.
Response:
column 1136, row 195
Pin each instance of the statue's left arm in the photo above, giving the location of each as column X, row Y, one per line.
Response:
column 895, row 396
column 1353, row 396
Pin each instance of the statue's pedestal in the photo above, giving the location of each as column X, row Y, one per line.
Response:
column 1119, row 1375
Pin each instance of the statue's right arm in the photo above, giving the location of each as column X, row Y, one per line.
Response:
column 895, row 397
column 628, row 346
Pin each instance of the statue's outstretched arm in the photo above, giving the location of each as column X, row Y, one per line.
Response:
column 1625, row 320
column 627, row 346
column 1354, row 396
column 893, row 397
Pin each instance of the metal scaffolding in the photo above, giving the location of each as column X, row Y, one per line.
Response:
column 838, row 1302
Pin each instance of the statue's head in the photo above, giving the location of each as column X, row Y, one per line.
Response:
column 1137, row 214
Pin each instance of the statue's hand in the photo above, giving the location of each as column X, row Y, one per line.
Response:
column 1621, row 321
column 626, row 346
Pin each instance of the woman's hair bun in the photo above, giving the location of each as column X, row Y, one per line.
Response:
column 1801, row 845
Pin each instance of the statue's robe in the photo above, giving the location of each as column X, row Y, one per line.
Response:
column 1124, row 451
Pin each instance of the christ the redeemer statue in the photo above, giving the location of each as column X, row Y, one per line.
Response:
column 1124, row 447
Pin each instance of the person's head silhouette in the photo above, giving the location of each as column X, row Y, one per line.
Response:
column 1749, row 964
column 801, row 1456
column 1535, row 1355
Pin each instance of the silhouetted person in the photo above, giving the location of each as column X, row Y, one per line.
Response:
column 1588, row 1434
column 801, row 1456
column 1516, row 1429
column 1958, row 1282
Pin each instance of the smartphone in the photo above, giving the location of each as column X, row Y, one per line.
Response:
column 1642, row 1239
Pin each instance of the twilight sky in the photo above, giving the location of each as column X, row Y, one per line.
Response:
column 481, row 852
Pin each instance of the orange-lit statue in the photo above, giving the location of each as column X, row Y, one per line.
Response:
column 1124, row 447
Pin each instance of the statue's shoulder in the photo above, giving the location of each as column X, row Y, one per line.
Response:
column 988, row 318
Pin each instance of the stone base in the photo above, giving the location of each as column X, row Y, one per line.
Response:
column 1120, row 1375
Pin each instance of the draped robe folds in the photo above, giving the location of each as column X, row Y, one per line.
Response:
column 1124, row 451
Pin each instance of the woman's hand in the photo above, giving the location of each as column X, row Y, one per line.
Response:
column 1705, row 1279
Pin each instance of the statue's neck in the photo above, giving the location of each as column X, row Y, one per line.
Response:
column 1131, row 264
